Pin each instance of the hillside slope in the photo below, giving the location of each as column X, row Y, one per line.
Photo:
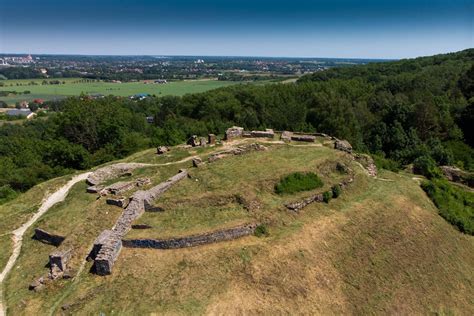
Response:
column 379, row 248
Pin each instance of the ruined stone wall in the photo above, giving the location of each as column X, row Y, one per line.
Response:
column 194, row 240
column 47, row 237
column 109, row 243
column 299, row 205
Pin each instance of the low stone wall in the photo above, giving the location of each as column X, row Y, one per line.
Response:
column 299, row 205
column 194, row 240
column 240, row 150
column 303, row 138
column 47, row 237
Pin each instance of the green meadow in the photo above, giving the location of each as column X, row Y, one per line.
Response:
column 73, row 86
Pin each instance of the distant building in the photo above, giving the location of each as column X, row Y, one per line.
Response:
column 150, row 119
column 96, row 96
column 21, row 112
column 139, row 96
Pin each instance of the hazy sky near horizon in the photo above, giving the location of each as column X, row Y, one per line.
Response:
column 318, row 28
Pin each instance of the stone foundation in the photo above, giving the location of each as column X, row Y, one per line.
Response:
column 303, row 138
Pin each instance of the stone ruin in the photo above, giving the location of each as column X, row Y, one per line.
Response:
column 193, row 240
column 240, row 150
column 195, row 141
column 113, row 171
column 211, row 139
column 197, row 162
column 233, row 132
column 160, row 150
column 303, row 138
column 109, row 243
column 119, row 201
column 119, row 187
column 268, row 133
column 47, row 237
column 58, row 261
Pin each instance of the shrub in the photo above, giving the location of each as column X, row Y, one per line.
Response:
column 327, row 196
column 426, row 166
column 336, row 191
column 297, row 182
column 453, row 203
column 261, row 231
column 385, row 163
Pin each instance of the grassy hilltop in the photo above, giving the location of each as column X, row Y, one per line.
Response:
column 381, row 247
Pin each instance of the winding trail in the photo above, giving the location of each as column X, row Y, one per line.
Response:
column 18, row 233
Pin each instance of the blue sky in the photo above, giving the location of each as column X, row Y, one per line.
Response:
column 318, row 28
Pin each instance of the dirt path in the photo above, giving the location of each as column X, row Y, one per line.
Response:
column 51, row 200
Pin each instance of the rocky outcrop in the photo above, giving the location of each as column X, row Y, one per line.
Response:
column 233, row 132
column 457, row 175
column 194, row 240
column 368, row 163
column 343, row 145
column 47, row 237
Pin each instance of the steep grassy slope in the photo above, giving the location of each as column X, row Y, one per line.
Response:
column 379, row 248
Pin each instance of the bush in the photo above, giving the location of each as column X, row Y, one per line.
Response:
column 336, row 191
column 327, row 196
column 453, row 203
column 426, row 166
column 297, row 182
column 7, row 193
column 261, row 231
column 385, row 163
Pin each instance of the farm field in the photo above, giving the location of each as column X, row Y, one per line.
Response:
column 72, row 87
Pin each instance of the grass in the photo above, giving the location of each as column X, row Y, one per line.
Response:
column 380, row 248
column 454, row 204
column 297, row 182
column 74, row 87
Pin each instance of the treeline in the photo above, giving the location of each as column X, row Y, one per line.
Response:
column 399, row 111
